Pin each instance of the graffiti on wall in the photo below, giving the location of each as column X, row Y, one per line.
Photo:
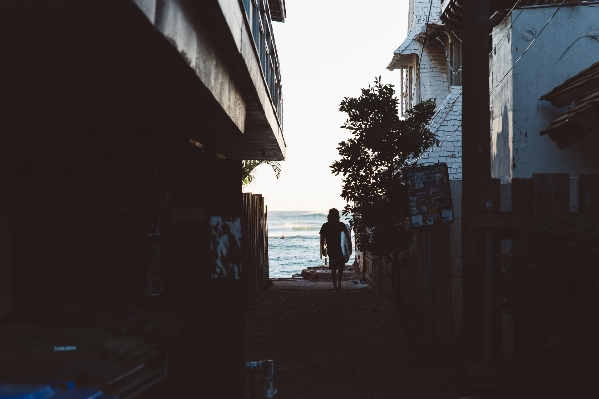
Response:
column 225, row 244
column 267, row 369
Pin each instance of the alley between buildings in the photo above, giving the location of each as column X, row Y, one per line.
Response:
column 348, row 344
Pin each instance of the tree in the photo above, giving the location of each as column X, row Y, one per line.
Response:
column 250, row 166
column 372, row 165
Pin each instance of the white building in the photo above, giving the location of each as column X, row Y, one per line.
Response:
column 535, row 49
column 429, row 61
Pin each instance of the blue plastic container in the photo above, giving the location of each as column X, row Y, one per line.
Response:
column 81, row 393
column 26, row 391
column 39, row 391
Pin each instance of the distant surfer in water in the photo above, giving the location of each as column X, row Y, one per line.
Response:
column 330, row 245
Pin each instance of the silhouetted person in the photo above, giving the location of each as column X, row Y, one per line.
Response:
column 330, row 245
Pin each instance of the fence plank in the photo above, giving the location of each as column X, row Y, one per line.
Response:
column 588, row 192
column 493, row 195
column 522, row 195
column 255, row 262
column 551, row 194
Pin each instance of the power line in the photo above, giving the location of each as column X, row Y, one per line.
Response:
column 508, row 29
column 447, row 58
column 525, row 50
column 430, row 6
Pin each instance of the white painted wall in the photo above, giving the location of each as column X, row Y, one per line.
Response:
column 559, row 51
column 432, row 62
column 421, row 11
column 433, row 83
column 447, row 125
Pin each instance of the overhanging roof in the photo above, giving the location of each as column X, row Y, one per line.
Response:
column 451, row 10
column 582, row 90
column 407, row 53
column 577, row 122
column 577, row 86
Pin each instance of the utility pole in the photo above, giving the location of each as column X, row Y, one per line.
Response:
column 476, row 168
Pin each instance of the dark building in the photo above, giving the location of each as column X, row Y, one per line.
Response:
column 123, row 127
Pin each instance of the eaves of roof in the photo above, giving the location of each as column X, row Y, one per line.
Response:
column 451, row 10
column 577, row 86
column 407, row 52
column 580, row 120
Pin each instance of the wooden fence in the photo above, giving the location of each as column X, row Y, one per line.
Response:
column 522, row 202
column 255, row 236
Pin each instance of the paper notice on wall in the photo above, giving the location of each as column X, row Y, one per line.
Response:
column 417, row 220
column 429, row 195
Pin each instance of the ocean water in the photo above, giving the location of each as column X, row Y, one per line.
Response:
column 299, row 249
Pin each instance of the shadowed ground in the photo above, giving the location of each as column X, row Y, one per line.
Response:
column 342, row 345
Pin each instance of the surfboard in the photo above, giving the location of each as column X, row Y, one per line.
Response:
column 346, row 243
column 320, row 248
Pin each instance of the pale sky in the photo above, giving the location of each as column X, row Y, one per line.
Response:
column 328, row 50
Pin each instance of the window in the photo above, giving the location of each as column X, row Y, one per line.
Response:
column 409, row 88
column 455, row 68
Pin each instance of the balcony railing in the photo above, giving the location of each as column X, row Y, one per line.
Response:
column 259, row 20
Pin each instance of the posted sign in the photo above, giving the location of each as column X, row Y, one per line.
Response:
column 429, row 195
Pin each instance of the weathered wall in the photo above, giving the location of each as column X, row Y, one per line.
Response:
column 502, row 106
column 421, row 11
column 561, row 50
column 433, row 83
column 433, row 73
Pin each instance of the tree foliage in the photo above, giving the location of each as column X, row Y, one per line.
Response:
column 250, row 166
column 372, row 162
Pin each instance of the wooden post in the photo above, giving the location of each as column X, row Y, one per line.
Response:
column 488, row 299
column 588, row 192
column 6, row 295
column 522, row 195
column 427, row 288
column 551, row 195
column 476, row 161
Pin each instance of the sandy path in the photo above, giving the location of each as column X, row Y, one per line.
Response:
column 342, row 345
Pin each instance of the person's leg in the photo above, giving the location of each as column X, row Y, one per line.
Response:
column 334, row 278
column 339, row 277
